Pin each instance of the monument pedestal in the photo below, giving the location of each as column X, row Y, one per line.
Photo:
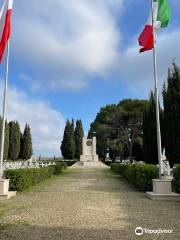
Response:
column 4, row 190
column 87, row 158
column 162, row 190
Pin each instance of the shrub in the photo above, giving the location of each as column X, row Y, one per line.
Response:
column 58, row 168
column 140, row 175
column 144, row 175
column 176, row 180
column 20, row 179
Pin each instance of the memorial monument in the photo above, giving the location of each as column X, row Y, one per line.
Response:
column 89, row 150
column 89, row 157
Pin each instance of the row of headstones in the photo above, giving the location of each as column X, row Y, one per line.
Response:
column 26, row 164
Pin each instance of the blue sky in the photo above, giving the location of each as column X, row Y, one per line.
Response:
column 69, row 58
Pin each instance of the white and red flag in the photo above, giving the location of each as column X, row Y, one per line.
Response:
column 5, row 25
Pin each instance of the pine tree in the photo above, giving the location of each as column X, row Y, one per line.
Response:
column 171, row 98
column 150, row 132
column 14, row 140
column 26, row 143
column 79, row 134
column 6, row 139
column 68, row 143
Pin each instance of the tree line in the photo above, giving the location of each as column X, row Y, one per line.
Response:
column 128, row 129
column 17, row 145
column 71, row 145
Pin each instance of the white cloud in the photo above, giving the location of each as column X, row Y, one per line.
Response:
column 47, row 125
column 64, row 41
column 136, row 70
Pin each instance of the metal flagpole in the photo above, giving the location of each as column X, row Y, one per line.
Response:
column 157, row 99
column 4, row 113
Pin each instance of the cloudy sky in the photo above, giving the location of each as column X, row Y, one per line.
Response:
column 69, row 58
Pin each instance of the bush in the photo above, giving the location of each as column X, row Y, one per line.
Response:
column 58, row 168
column 68, row 163
column 176, row 180
column 21, row 179
column 140, row 175
column 144, row 175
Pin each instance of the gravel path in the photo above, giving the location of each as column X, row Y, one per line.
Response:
column 86, row 204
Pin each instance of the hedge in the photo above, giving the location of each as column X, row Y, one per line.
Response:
column 140, row 175
column 21, row 179
column 176, row 180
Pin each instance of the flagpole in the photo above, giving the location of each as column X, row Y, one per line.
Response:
column 4, row 113
column 157, row 99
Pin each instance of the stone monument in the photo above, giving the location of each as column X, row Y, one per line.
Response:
column 89, row 157
column 89, row 150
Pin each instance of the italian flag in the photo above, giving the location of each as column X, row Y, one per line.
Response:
column 162, row 15
column 5, row 25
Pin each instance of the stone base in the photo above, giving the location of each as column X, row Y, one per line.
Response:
column 162, row 190
column 7, row 196
column 4, row 186
column 86, row 158
column 162, row 186
column 89, row 164
column 163, row 197
column 4, row 190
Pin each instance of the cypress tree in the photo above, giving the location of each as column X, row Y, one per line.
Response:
column 6, row 139
column 26, row 143
column 72, row 141
column 14, row 140
column 65, row 140
column 21, row 147
column 171, row 98
column 68, row 144
column 79, row 134
column 150, row 132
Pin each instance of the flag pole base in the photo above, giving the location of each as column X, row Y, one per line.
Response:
column 162, row 190
column 4, row 190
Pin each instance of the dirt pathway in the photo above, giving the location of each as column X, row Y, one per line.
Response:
column 86, row 204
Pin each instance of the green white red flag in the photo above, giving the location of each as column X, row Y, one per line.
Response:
column 5, row 25
column 162, row 15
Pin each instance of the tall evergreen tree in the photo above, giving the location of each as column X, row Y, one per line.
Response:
column 79, row 134
column 21, row 146
column 150, row 131
column 14, row 140
column 68, row 143
column 26, row 143
column 6, row 141
column 171, row 98
column 6, row 138
column 64, row 144
column 72, row 141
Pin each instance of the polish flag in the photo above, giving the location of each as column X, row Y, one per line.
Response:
column 5, row 25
